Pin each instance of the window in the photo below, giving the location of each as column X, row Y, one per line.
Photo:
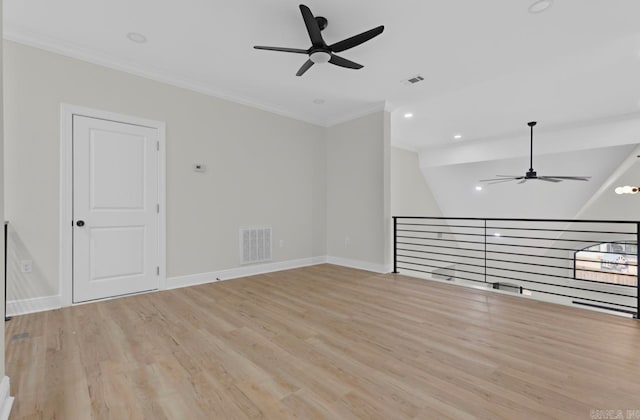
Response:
column 608, row 262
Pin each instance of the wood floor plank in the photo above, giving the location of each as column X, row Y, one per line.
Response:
column 321, row 342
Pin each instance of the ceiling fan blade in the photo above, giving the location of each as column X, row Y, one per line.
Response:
column 498, row 181
column 343, row 62
column 548, row 179
column 306, row 66
column 570, row 178
column 312, row 26
column 511, row 178
column 281, row 49
column 356, row 40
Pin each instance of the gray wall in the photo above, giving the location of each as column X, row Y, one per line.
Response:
column 358, row 209
column 263, row 169
column 410, row 194
column 314, row 185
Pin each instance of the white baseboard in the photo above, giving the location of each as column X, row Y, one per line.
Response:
column 6, row 400
column 28, row 306
column 360, row 265
column 233, row 273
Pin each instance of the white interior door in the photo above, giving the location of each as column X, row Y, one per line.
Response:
column 115, row 209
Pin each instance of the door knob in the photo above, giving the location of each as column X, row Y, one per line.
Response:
column 80, row 223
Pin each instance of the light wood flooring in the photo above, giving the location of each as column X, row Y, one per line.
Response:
column 322, row 342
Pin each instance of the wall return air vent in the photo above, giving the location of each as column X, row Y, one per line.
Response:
column 255, row 245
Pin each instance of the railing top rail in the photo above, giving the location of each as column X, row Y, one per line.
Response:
column 496, row 219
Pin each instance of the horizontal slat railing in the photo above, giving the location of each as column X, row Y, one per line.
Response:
column 569, row 260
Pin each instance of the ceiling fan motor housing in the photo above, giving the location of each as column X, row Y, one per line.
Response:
column 322, row 22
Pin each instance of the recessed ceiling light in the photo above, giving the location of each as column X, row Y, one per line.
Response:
column 497, row 234
column 478, row 188
column 408, row 115
column 136, row 37
column 318, row 101
column 457, row 136
column 540, row 6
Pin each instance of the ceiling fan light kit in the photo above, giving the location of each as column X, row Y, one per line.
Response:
column 627, row 190
column 531, row 174
column 320, row 57
column 320, row 52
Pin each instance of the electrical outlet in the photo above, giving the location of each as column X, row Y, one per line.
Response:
column 281, row 244
column 26, row 266
column 347, row 240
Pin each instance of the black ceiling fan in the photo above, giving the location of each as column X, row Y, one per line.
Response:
column 531, row 174
column 320, row 52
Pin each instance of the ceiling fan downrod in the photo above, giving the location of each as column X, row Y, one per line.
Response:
column 531, row 173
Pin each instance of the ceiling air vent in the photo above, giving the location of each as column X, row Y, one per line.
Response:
column 413, row 80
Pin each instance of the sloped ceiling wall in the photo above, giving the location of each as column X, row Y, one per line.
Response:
column 597, row 150
column 453, row 186
column 609, row 205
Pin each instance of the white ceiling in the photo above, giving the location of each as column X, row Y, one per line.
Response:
column 489, row 66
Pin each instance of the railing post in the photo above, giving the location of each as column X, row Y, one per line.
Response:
column 395, row 245
column 637, row 316
column 485, row 250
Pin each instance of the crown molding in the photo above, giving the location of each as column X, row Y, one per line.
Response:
column 405, row 147
column 31, row 39
column 378, row 107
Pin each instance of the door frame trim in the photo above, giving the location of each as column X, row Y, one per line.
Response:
column 67, row 111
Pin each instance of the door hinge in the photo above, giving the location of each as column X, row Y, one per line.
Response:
column 158, row 145
column 157, row 208
column 158, row 271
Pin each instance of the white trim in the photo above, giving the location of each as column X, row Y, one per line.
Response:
column 6, row 400
column 31, row 39
column 360, row 265
column 535, row 296
column 29, row 306
column 66, row 188
column 234, row 273
column 405, row 147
